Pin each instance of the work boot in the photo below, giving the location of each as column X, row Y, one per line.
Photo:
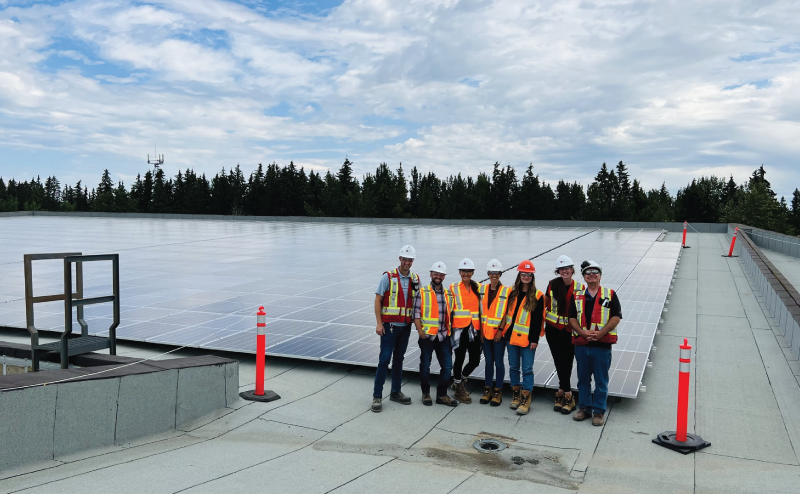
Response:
column 515, row 397
column 525, row 403
column 598, row 419
column 581, row 415
column 487, row 395
column 569, row 405
column 426, row 399
column 497, row 397
column 399, row 397
column 446, row 400
column 462, row 395
column 559, row 404
column 376, row 404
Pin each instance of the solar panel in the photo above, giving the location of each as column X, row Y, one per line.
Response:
column 198, row 282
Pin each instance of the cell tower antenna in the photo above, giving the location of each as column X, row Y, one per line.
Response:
column 158, row 160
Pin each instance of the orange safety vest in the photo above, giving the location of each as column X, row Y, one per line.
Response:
column 398, row 307
column 429, row 310
column 467, row 307
column 599, row 317
column 551, row 306
column 492, row 316
column 522, row 326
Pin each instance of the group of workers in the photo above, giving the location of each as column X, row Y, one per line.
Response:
column 468, row 318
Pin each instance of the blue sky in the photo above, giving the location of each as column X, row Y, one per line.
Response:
column 674, row 89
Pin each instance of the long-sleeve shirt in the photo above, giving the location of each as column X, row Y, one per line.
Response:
column 442, row 334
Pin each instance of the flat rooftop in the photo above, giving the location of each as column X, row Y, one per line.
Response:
column 321, row 436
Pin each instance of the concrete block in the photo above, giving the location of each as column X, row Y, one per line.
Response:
column 27, row 417
column 231, row 383
column 201, row 391
column 86, row 415
column 146, row 405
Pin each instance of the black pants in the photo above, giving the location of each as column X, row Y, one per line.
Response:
column 563, row 352
column 474, row 348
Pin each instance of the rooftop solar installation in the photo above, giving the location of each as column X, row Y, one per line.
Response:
column 198, row 282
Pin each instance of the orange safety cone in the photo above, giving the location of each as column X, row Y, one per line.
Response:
column 733, row 243
column 259, row 394
column 683, row 244
column 679, row 440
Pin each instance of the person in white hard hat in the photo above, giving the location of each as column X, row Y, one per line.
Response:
column 433, row 308
column 558, row 298
column 594, row 316
column 466, row 327
column 394, row 300
column 494, row 302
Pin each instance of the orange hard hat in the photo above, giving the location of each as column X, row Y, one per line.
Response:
column 526, row 267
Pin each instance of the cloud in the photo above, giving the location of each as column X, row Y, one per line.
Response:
column 674, row 90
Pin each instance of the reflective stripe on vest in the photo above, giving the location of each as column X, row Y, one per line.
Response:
column 551, row 306
column 599, row 317
column 465, row 311
column 396, row 305
column 492, row 316
column 429, row 310
column 522, row 326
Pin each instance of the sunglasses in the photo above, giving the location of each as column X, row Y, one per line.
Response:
column 526, row 275
column 406, row 259
column 591, row 272
column 494, row 273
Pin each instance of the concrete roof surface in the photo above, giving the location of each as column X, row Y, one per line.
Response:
column 321, row 437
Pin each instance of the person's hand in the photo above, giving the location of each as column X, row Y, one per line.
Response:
column 498, row 336
column 534, row 345
column 482, row 338
column 422, row 334
column 379, row 330
column 591, row 335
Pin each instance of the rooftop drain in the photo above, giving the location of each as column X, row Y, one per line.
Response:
column 488, row 445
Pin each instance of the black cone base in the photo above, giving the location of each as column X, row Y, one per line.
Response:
column 266, row 397
column 686, row 246
column 693, row 443
column 723, row 255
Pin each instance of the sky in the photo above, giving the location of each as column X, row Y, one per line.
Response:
column 675, row 89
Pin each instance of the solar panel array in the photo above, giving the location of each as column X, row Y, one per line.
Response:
column 197, row 282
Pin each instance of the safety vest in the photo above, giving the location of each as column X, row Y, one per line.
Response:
column 551, row 316
column 398, row 307
column 429, row 310
column 599, row 317
column 492, row 316
column 467, row 307
column 522, row 326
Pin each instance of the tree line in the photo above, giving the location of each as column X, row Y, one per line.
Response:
column 287, row 190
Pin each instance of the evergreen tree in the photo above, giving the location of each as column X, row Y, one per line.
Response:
column 104, row 194
column 794, row 214
column 162, row 193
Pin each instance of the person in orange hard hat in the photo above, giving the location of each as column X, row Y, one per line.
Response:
column 522, row 328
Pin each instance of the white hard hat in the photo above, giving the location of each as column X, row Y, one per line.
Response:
column 494, row 265
column 439, row 267
column 564, row 262
column 408, row 252
column 466, row 264
column 590, row 264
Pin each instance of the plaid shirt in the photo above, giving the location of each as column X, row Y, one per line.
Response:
column 442, row 311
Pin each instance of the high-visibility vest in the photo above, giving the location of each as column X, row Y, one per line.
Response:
column 429, row 310
column 522, row 326
column 551, row 316
column 398, row 307
column 492, row 315
column 467, row 307
column 599, row 317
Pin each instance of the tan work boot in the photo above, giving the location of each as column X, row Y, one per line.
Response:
column 558, row 404
column 487, row 395
column 497, row 397
column 581, row 415
column 598, row 419
column 446, row 400
column 569, row 405
column 525, row 403
column 462, row 395
column 515, row 397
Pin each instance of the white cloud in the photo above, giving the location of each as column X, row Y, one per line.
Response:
column 674, row 90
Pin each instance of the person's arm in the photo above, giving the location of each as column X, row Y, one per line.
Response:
column 536, row 324
column 418, row 316
column 378, row 306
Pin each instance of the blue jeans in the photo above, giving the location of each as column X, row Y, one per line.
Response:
column 493, row 355
column 444, row 354
column 592, row 361
column 394, row 342
column 526, row 356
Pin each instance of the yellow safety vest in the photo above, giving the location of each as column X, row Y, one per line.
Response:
column 522, row 325
column 597, row 319
column 465, row 311
column 429, row 310
column 551, row 313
